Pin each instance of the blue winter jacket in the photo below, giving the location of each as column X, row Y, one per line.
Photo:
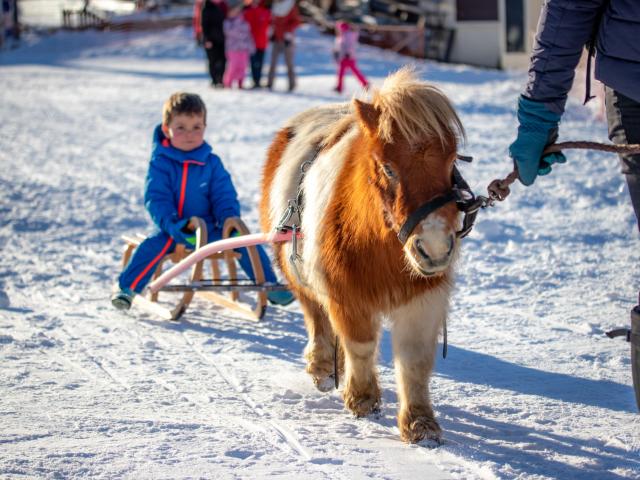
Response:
column 184, row 184
column 565, row 26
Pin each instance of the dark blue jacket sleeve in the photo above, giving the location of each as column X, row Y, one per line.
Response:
column 565, row 26
column 222, row 193
column 158, row 195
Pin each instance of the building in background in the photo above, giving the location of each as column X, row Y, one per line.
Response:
column 494, row 33
column 489, row 33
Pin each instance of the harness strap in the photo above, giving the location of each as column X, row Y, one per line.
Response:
column 590, row 55
column 467, row 223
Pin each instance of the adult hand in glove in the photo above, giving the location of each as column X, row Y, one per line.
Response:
column 538, row 129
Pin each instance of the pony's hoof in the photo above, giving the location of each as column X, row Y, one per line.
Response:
column 421, row 428
column 325, row 384
column 363, row 406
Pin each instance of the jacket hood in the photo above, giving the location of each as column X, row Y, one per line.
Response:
column 282, row 8
column 161, row 146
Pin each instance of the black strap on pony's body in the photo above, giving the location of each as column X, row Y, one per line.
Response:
column 465, row 200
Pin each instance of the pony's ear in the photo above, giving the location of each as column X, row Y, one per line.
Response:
column 368, row 115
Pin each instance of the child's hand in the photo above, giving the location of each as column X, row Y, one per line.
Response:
column 188, row 230
column 192, row 225
column 181, row 233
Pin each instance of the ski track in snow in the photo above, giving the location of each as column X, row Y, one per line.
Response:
column 531, row 388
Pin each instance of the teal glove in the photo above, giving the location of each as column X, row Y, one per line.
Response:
column 538, row 129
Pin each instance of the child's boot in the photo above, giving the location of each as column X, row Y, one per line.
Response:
column 122, row 299
column 280, row 297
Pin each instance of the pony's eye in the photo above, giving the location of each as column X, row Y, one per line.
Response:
column 388, row 171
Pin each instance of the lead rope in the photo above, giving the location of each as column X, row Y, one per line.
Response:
column 336, row 373
column 499, row 189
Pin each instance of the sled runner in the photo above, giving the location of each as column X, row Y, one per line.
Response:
column 245, row 296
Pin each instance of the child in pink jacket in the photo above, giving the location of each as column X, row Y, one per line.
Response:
column 238, row 46
column 345, row 53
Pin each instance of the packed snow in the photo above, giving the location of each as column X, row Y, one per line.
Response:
column 531, row 388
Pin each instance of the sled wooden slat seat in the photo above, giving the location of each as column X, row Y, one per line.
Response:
column 253, row 305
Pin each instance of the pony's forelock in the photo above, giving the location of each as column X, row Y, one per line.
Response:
column 420, row 111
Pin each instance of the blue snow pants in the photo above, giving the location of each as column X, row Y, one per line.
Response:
column 138, row 272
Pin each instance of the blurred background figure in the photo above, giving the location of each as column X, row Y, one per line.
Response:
column 238, row 45
column 197, row 22
column 344, row 52
column 9, row 24
column 212, row 17
column 259, row 17
column 285, row 20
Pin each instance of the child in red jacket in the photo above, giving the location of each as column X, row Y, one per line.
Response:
column 258, row 17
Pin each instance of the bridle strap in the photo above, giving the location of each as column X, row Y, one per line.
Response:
column 465, row 200
column 422, row 212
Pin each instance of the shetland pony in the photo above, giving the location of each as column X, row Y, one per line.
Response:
column 367, row 167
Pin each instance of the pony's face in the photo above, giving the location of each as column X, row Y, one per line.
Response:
column 407, row 176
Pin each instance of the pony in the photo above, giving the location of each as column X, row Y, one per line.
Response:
column 354, row 173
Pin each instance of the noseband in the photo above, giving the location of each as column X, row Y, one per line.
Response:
column 465, row 200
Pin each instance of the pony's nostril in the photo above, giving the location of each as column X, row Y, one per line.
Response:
column 418, row 244
column 452, row 243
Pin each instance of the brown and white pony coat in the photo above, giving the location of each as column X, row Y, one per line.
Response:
column 372, row 165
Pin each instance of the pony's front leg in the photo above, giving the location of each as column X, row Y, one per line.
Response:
column 415, row 328
column 359, row 341
column 320, row 349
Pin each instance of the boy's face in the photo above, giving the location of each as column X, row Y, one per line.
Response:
column 185, row 131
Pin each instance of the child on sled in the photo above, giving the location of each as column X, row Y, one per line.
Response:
column 185, row 179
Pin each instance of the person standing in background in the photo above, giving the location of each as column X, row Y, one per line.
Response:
column 238, row 45
column 259, row 17
column 197, row 22
column 212, row 19
column 344, row 52
column 285, row 20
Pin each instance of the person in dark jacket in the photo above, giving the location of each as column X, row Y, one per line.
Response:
column 185, row 179
column 565, row 26
column 212, row 18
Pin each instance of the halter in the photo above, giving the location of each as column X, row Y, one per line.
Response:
column 465, row 200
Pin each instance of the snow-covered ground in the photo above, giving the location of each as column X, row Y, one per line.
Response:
column 531, row 387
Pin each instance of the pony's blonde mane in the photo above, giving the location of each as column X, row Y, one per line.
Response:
column 419, row 110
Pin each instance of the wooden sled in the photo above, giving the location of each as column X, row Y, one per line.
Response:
column 252, row 305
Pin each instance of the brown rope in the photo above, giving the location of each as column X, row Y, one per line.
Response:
column 499, row 189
